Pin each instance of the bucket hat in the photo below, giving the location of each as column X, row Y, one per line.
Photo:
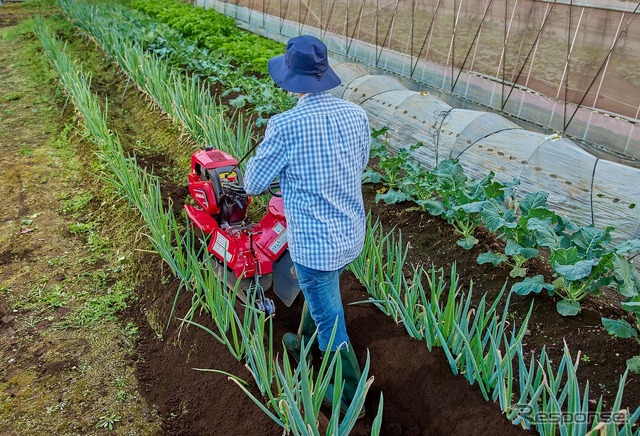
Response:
column 304, row 67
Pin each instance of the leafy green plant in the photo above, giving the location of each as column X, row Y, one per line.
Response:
column 214, row 31
column 520, row 244
column 395, row 167
column 582, row 261
column 459, row 200
column 628, row 283
column 108, row 421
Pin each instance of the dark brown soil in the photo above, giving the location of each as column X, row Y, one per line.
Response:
column 192, row 402
column 421, row 394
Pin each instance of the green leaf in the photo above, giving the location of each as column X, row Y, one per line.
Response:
column 632, row 306
column 494, row 259
column 533, row 284
column 565, row 256
column 239, row 101
column 568, row 308
column 434, row 207
column 590, row 241
column 494, row 190
column 529, row 253
column 378, row 132
column 371, row 176
column 514, row 249
column 518, row 272
column 619, row 328
column 544, row 215
column 392, row 197
column 494, row 216
column 577, row 271
column 545, row 235
column 634, row 364
column 534, row 200
column 627, row 276
column 473, row 207
column 450, row 175
column 630, row 246
column 467, row 242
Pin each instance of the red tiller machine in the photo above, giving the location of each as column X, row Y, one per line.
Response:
column 255, row 254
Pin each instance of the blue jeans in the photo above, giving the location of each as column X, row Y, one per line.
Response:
column 321, row 291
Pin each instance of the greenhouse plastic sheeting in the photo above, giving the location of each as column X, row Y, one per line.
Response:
column 616, row 196
column 581, row 186
column 564, row 170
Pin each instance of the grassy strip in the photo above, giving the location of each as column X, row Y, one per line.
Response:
column 66, row 354
column 294, row 387
column 480, row 346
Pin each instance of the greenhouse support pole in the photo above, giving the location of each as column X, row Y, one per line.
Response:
column 593, row 176
column 604, row 72
column 537, row 42
column 375, row 25
column 507, row 31
column 411, row 30
column 570, row 43
column 284, row 17
column 264, row 13
column 452, row 47
column 526, row 28
column 503, row 55
column 565, row 72
column 426, row 56
column 427, row 36
column 373, row 12
column 301, row 19
column 534, row 47
column 326, row 26
column 473, row 43
column 310, row 11
column 475, row 50
column 355, row 29
column 387, row 34
column 346, row 23
column 251, row 7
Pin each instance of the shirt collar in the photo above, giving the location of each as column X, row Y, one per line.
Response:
column 311, row 96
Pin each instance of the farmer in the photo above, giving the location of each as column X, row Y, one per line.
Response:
column 319, row 150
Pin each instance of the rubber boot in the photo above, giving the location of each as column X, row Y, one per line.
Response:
column 307, row 328
column 351, row 374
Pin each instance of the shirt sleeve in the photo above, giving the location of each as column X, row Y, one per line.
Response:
column 269, row 160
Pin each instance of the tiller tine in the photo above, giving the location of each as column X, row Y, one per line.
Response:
column 285, row 282
column 229, row 278
column 246, row 286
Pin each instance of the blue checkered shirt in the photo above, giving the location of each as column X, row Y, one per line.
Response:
column 319, row 150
